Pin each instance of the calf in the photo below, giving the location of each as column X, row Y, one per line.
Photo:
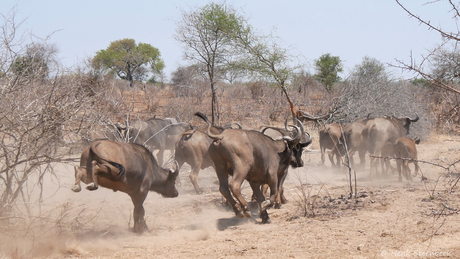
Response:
column 405, row 148
column 405, row 152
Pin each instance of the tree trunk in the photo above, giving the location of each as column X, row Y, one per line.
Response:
column 129, row 76
column 214, row 111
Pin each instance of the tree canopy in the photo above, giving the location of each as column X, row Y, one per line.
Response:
column 130, row 61
column 327, row 69
column 206, row 34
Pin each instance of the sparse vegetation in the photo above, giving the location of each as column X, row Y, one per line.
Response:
column 49, row 113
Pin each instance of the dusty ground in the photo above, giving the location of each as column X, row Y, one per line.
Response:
column 389, row 219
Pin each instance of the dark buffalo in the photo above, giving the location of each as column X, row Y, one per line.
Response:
column 279, row 133
column 377, row 132
column 129, row 168
column 251, row 155
column 156, row 134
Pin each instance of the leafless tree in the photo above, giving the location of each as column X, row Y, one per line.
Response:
column 205, row 33
column 39, row 117
column 370, row 89
column 421, row 68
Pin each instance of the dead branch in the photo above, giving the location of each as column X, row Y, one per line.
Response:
column 449, row 35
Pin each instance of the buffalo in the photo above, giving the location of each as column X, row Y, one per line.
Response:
column 156, row 134
column 125, row 167
column 192, row 148
column 377, row 132
column 404, row 150
column 353, row 138
column 330, row 138
column 251, row 155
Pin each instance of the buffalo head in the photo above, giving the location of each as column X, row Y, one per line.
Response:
column 297, row 143
column 168, row 188
column 406, row 121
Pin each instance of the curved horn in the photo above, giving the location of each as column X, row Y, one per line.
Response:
column 302, row 129
column 308, row 141
column 294, row 141
column 416, row 118
column 239, row 125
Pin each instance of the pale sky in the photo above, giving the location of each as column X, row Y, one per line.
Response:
column 350, row 29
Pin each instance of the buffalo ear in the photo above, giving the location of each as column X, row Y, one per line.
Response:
column 417, row 141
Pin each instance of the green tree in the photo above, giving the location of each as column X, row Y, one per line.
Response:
column 327, row 69
column 206, row 34
column 263, row 55
column 130, row 61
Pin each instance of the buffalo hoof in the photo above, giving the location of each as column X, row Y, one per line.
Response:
column 76, row 188
column 265, row 218
column 277, row 205
column 247, row 213
column 238, row 213
column 91, row 187
column 283, row 199
column 266, row 221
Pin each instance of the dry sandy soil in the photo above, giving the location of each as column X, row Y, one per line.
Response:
column 389, row 219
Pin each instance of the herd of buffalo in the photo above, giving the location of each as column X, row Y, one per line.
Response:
column 260, row 158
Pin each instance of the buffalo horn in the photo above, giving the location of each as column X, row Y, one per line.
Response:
column 294, row 141
column 303, row 132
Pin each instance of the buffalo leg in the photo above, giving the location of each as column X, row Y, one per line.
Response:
column 260, row 197
column 338, row 157
column 331, row 159
column 139, row 212
column 362, row 158
column 375, row 161
column 235, row 187
column 281, row 199
column 225, row 191
column 407, row 170
column 97, row 169
column 399, row 165
column 193, row 178
column 351, row 161
column 417, row 169
column 80, row 175
column 273, row 195
column 323, row 150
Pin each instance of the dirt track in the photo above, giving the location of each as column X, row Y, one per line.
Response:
column 389, row 219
